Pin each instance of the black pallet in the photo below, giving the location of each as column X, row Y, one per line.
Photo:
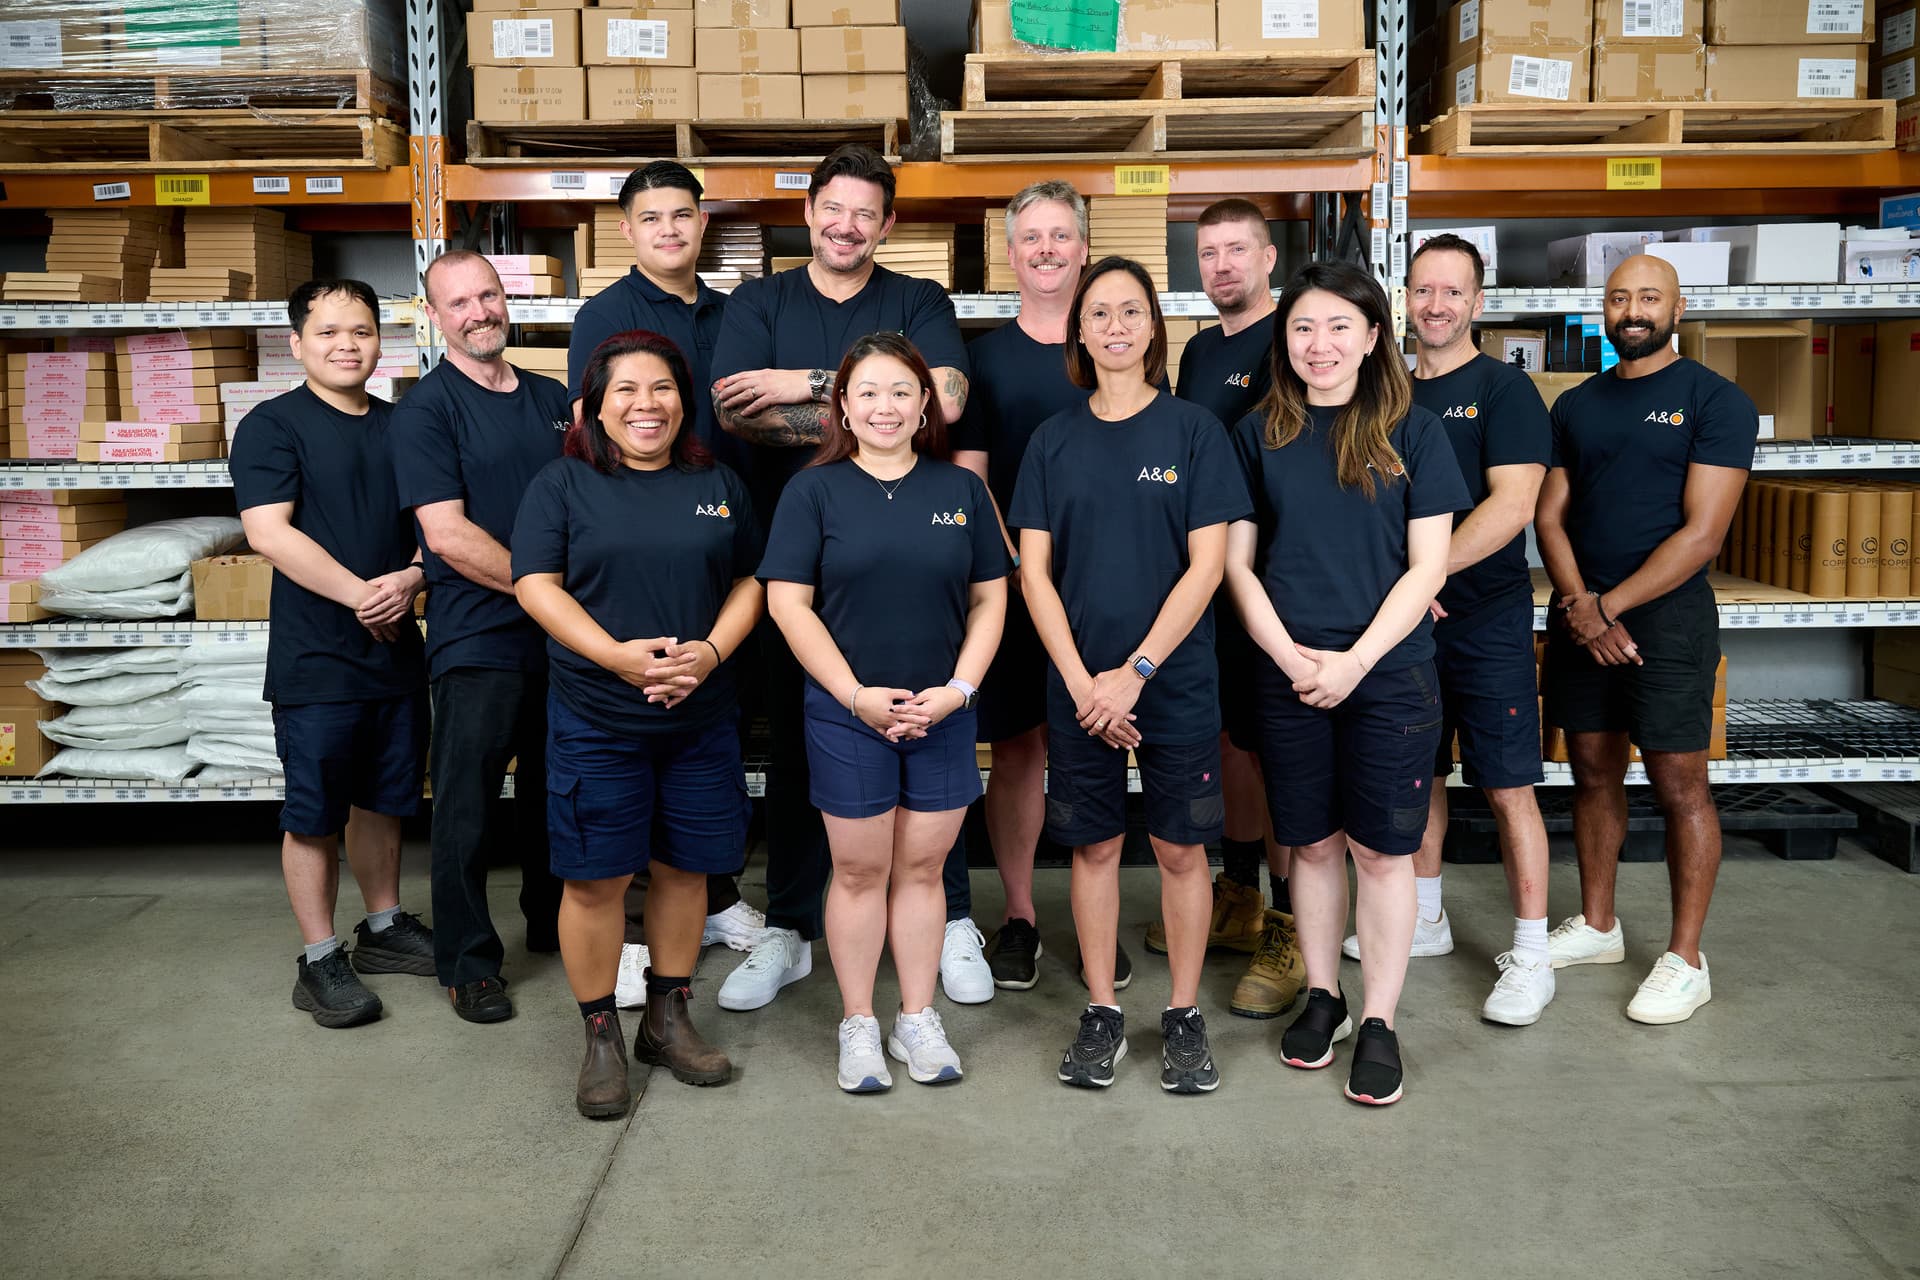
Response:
column 1822, row 729
column 1889, row 814
column 1793, row 821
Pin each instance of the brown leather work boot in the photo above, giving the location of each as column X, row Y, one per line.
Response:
column 602, row 1093
column 667, row 1039
column 1236, row 924
column 1272, row 982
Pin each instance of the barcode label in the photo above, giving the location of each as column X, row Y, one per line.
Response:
column 568, row 182
column 326, row 186
column 791, row 181
column 1897, row 78
column 273, row 186
column 113, row 191
column 1827, row 77
column 628, row 38
column 1654, row 19
column 1836, row 17
column 1635, row 168
column 31, row 45
column 523, row 37
column 1290, row 19
column 1896, row 34
column 1466, row 85
column 1469, row 22
column 182, row 188
column 1542, row 78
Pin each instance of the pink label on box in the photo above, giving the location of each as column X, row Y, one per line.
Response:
column 53, row 442
column 153, row 360
column 11, row 510
column 130, row 452
column 70, row 397
column 69, row 362
column 141, row 343
column 162, row 380
column 177, row 412
column 41, row 497
column 517, row 284
column 28, row 568
column 57, row 382
column 52, row 415
column 151, row 429
column 35, row 549
column 511, row 263
column 151, row 397
column 11, row 528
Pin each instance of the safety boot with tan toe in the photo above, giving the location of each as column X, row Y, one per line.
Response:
column 1237, row 922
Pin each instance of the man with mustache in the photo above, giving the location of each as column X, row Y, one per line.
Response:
column 467, row 441
column 1649, row 459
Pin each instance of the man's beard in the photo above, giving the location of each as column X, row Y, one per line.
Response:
column 1639, row 348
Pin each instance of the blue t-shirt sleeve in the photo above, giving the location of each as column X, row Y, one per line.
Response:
column 1517, row 430
column 746, row 332
column 592, row 326
column 990, row 558
column 1029, row 507
column 749, row 547
column 933, row 328
column 540, row 528
column 1219, row 493
column 1248, row 437
column 264, row 465
column 1433, row 469
column 1728, row 427
column 426, row 460
column 795, row 541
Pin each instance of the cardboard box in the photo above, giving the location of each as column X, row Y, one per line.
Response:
column 521, row 94
column 1896, row 379
column 853, row 50
column 738, row 50
column 863, row 97
column 1583, row 260
column 1146, row 26
column 1637, row 20
column 1524, row 349
column 1777, row 252
column 24, row 750
column 527, row 38
column 1850, row 381
column 636, row 37
column 94, row 451
column 743, row 97
column 1552, row 385
column 742, row 13
column 1649, row 71
column 182, row 340
column 504, row 6
column 1782, row 72
column 1772, row 361
column 1789, row 21
column 1702, row 265
column 1878, row 256
column 1509, row 73
column 232, row 589
column 1256, row 24
column 1473, row 24
column 846, row 13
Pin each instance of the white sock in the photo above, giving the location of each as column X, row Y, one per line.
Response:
column 1110, row 1008
column 1427, row 890
column 1530, row 939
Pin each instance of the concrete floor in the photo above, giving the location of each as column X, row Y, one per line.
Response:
column 167, row 1113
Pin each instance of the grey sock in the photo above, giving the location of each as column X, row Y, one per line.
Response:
column 381, row 921
column 318, row 951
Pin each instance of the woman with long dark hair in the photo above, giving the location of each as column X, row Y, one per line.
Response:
column 1122, row 506
column 886, row 574
column 635, row 552
column 1354, row 488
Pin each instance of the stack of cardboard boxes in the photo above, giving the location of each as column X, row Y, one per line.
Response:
column 526, row 60
column 276, row 372
column 1174, row 26
column 801, row 59
column 730, row 252
column 529, row 275
column 169, row 387
column 923, row 249
column 22, row 748
column 1000, row 277
column 40, row 530
column 117, row 241
column 51, row 394
column 1781, row 50
column 1131, row 227
column 59, row 286
column 1893, row 75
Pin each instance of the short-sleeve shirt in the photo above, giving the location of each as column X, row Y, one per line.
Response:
column 337, row 471
column 1495, row 418
column 635, row 302
column 1228, row 375
column 455, row 439
column 1328, row 555
column 1118, row 500
column 890, row 573
column 645, row 553
column 782, row 322
column 1626, row 444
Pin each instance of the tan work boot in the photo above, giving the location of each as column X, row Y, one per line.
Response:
column 1236, row 922
column 667, row 1039
column 1272, row 982
column 602, row 1092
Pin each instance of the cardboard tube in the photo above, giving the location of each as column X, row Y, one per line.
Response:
column 1802, row 508
column 1896, row 542
column 1780, row 571
column 1827, row 522
column 1863, row 542
column 1763, row 504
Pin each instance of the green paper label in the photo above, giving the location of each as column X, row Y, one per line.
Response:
column 150, row 23
column 1090, row 26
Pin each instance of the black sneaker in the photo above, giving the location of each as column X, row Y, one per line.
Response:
column 1309, row 1042
column 1102, row 1042
column 1374, row 1078
column 482, row 1001
column 1186, row 1059
column 405, row 946
column 1122, row 969
column 332, row 992
column 1013, row 955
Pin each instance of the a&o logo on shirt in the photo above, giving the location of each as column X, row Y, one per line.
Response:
column 949, row 517
column 1241, row 380
column 1158, row 475
column 1462, row 410
column 1673, row 419
column 722, row 511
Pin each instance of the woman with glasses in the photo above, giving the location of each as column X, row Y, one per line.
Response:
column 1122, row 506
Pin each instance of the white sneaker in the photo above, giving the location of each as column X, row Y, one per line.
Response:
column 630, row 988
column 1671, row 992
column 863, row 1068
column 1430, row 938
column 920, row 1041
column 781, row 958
column 1525, row 989
column 964, row 973
column 1575, row 941
column 739, row 926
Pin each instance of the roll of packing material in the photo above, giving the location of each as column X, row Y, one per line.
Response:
column 1863, row 542
column 1827, row 522
column 1896, row 542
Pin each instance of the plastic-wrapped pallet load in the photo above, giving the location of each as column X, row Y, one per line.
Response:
column 142, row 573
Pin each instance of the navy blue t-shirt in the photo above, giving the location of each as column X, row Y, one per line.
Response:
column 1626, row 444
column 1495, row 418
column 337, row 471
column 645, row 553
column 782, row 322
column 1228, row 375
column 1327, row 555
column 635, row 302
column 890, row 574
column 1119, row 499
column 453, row 438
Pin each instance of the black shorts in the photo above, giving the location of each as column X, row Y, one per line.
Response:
column 1239, row 658
column 1363, row 767
column 358, row 755
column 1490, row 696
column 1087, row 789
column 854, row 772
column 1013, row 696
column 1664, row 704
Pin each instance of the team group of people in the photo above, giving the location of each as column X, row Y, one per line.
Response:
column 1284, row 592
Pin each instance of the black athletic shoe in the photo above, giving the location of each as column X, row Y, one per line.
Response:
column 1374, row 1078
column 332, row 992
column 1013, row 956
column 1102, row 1042
column 405, row 946
column 1122, row 969
column 1186, row 1059
column 1309, row 1042
column 482, row 1001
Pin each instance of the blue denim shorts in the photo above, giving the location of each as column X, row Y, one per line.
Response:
column 342, row 755
column 854, row 772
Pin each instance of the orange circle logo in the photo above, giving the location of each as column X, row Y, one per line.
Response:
column 959, row 517
column 1473, row 411
column 1679, row 418
column 724, row 513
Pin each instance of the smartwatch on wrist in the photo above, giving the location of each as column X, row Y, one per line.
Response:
column 1143, row 666
column 968, row 693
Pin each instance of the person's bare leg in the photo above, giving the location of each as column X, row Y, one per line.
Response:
column 1016, row 811
column 1319, row 884
column 917, row 902
column 373, row 854
column 1186, row 905
column 1523, row 848
column 1095, row 894
column 856, row 916
column 1679, row 781
column 311, row 868
column 676, row 916
column 1384, row 914
column 591, row 923
column 1427, row 862
column 1599, row 763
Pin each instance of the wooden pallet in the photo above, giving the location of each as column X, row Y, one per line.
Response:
column 357, row 91
column 1224, row 128
column 1560, row 129
column 992, row 80
column 599, row 142
column 148, row 141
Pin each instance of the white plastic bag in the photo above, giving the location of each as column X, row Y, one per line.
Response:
column 153, row 764
column 239, row 751
column 159, row 600
column 159, row 709
column 141, row 556
column 116, row 736
column 205, row 651
column 106, row 691
column 79, row 664
column 230, row 695
column 215, row 774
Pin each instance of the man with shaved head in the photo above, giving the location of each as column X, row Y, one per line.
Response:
column 1648, row 462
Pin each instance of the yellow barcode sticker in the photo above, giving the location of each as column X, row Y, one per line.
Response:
column 182, row 188
column 1633, row 173
column 1142, row 179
